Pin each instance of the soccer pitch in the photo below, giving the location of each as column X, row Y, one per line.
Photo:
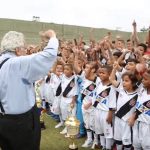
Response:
column 52, row 140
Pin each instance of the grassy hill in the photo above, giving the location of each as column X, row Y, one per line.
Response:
column 32, row 28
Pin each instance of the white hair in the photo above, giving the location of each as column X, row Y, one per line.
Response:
column 12, row 40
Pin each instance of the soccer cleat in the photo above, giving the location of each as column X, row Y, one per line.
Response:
column 60, row 124
column 67, row 135
column 64, row 131
column 87, row 143
column 94, row 145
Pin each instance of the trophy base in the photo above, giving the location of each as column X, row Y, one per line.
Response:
column 73, row 147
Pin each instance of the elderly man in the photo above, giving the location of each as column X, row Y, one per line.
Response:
column 19, row 121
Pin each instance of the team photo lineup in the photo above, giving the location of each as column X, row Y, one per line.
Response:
column 104, row 83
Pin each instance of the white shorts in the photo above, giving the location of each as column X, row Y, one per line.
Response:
column 122, row 131
column 88, row 118
column 141, row 135
column 56, row 105
column 66, row 110
column 101, row 125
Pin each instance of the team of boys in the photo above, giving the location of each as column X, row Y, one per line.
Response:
column 106, row 83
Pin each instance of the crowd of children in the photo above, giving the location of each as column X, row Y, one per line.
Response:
column 106, row 85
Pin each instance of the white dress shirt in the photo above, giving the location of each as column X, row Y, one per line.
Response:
column 18, row 74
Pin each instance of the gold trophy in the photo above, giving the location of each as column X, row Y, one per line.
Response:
column 72, row 125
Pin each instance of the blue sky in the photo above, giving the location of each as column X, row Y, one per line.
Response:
column 111, row 14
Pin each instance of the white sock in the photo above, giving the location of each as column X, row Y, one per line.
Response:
column 96, row 138
column 119, row 147
column 60, row 117
column 43, row 103
column 113, row 141
column 108, row 143
column 89, row 135
column 102, row 141
column 135, row 148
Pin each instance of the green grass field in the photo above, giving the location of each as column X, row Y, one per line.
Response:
column 53, row 140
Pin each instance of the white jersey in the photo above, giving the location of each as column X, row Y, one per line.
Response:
column 51, row 87
column 125, row 103
column 88, row 89
column 119, row 74
column 48, row 95
column 69, row 88
column 85, row 82
column 105, row 95
column 54, row 82
column 129, row 55
column 143, row 106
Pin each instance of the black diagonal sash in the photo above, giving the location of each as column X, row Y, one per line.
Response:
column 145, row 107
column 82, row 96
column 127, row 107
column 59, row 90
column 102, row 94
column 47, row 79
column 90, row 88
column 69, row 87
column 1, row 106
column 147, row 104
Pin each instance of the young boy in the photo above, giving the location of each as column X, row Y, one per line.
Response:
column 104, row 107
column 141, row 128
column 68, row 94
column 55, row 81
column 90, row 80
